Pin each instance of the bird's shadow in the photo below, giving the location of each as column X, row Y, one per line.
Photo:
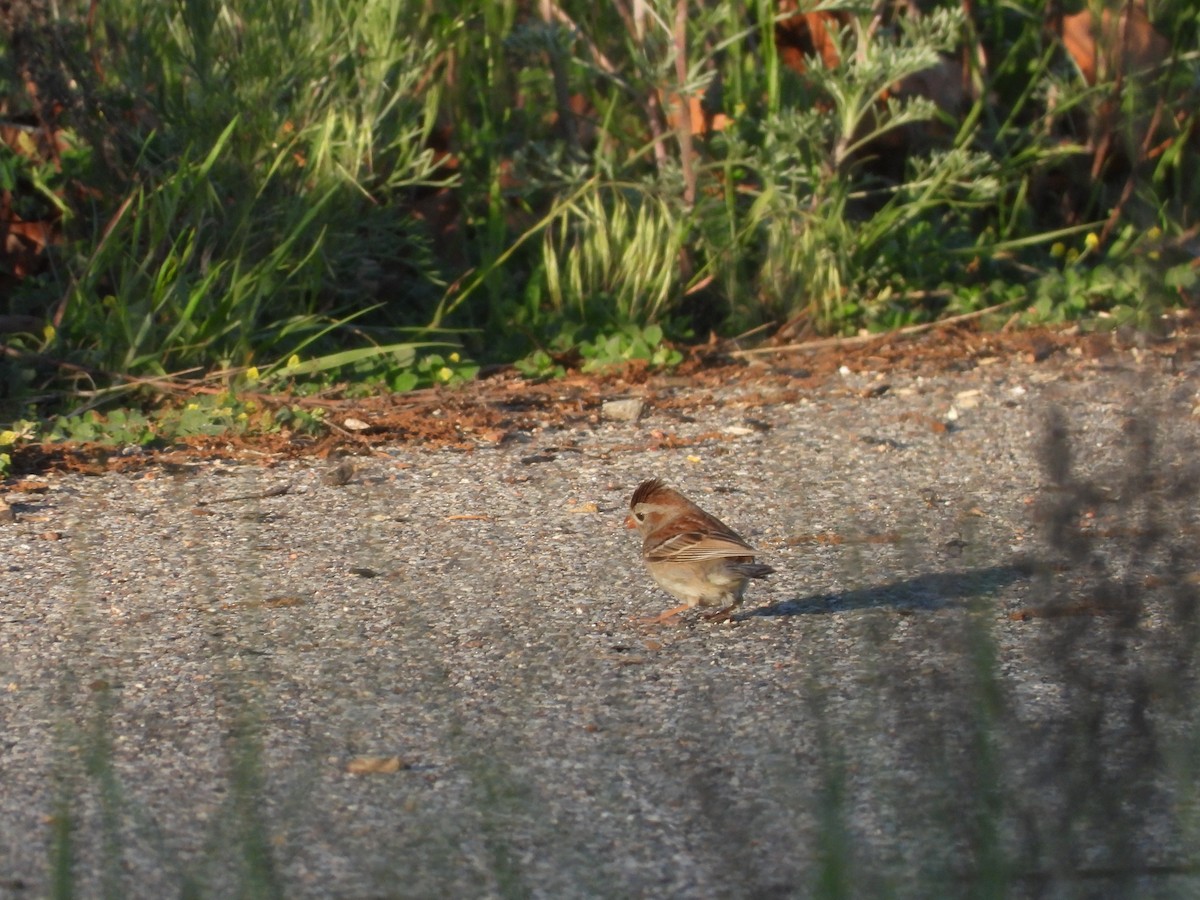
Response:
column 933, row 590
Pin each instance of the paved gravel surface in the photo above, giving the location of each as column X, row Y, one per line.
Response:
column 430, row 681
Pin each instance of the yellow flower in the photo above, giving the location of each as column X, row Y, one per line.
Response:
column 454, row 357
column 293, row 361
column 1072, row 255
column 8, row 437
column 1154, row 233
column 1057, row 249
column 444, row 374
column 1091, row 242
column 252, row 373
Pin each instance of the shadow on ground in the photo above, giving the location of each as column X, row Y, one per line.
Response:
column 933, row 590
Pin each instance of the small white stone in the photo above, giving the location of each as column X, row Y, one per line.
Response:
column 967, row 399
column 627, row 409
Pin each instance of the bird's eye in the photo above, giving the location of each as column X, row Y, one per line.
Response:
column 640, row 516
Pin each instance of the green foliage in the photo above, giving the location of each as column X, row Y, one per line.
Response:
column 399, row 367
column 257, row 202
column 628, row 344
column 614, row 251
column 125, row 428
column 235, row 184
column 829, row 238
column 1128, row 285
column 301, row 419
column 34, row 182
column 120, row 427
column 435, row 369
column 206, row 414
column 540, row 366
column 10, row 438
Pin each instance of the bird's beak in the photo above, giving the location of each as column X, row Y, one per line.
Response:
column 629, row 522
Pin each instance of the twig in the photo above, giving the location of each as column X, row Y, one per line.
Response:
column 683, row 122
column 868, row 338
column 753, row 331
column 553, row 10
column 61, row 308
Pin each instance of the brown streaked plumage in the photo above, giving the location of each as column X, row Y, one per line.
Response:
column 692, row 555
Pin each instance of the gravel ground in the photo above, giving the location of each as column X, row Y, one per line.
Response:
column 971, row 671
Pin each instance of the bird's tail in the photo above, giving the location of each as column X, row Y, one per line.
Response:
column 753, row 570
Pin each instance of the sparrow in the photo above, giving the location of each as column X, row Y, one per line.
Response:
column 694, row 556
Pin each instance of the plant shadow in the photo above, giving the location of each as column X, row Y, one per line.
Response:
column 930, row 591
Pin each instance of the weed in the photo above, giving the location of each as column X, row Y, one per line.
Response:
column 230, row 185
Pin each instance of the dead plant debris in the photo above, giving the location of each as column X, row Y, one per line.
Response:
column 503, row 405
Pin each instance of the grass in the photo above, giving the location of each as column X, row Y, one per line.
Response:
column 235, row 184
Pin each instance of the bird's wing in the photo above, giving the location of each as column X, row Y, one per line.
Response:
column 694, row 546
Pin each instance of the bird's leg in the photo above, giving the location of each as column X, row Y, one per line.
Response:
column 666, row 616
column 721, row 615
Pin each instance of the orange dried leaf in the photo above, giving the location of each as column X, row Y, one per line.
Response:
column 282, row 602
column 375, row 765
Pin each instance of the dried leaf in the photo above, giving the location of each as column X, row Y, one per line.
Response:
column 25, row 486
column 826, row 537
column 283, row 602
column 1121, row 44
column 375, row 765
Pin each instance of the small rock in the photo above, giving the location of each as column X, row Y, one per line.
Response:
column 627, row 409
column 340, row 474
column 954, row 547
column 967, row 399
